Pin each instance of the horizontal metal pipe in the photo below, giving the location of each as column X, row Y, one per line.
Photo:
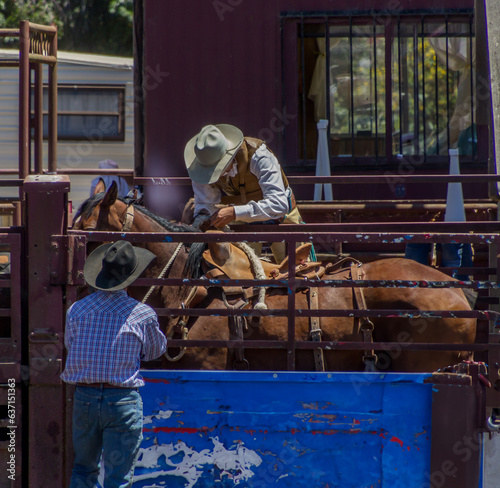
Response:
column 319, row 236
column 357, row 346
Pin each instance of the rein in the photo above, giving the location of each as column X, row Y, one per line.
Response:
column 164, row 271
column 127, row 225
column 150, row 291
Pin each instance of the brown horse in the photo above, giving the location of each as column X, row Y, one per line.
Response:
column 106, row 212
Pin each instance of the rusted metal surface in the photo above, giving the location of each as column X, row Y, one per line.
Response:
column 45, row 329
column 457, row 417
column 12, row 395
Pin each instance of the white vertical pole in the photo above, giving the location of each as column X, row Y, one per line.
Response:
column 455, row 209
column 323, row 162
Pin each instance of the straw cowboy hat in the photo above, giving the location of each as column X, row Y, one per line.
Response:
column 116, row 265
column 208, row 153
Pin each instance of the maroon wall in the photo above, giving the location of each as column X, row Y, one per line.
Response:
column 219, row 61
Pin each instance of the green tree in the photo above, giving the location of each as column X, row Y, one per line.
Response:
column 93, row 26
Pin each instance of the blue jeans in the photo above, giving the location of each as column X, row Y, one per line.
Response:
column 107, row 422
column 452, row 256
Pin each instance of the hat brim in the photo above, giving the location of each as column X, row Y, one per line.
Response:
column 208, row 175
column 94, row 276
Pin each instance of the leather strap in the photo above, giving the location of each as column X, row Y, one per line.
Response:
column 129, row 218
column 315, row 326
column 364, row 324
column 237, row 324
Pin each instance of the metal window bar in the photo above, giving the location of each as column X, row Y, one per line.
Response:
column 473, row 130
column 351, row 69
column 436, row 78
column 423, row 90
column 416, row 19
column 327, row 85
column 399, row 89
column 447, row 88
column 375, row 86
column 416, row 118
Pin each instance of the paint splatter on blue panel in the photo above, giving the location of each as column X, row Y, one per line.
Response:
column 222, row 429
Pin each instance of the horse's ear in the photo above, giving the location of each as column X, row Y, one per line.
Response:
column 100, row 187
column 111, row 196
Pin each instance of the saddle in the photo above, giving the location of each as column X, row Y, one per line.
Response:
column 234, row 263
column 229, row 261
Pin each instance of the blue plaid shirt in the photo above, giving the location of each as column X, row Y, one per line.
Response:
column 108, row 334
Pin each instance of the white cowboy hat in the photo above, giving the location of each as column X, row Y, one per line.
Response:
column 208, row 153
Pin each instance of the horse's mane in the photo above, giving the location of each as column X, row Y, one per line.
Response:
column 195, row 256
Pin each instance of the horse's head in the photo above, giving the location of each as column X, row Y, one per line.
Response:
column 103, row 211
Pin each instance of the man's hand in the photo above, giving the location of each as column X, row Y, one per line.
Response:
column 222, row 217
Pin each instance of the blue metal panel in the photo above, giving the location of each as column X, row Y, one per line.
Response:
column 208, row 429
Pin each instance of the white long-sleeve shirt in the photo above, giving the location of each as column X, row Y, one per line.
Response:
column 274, row 204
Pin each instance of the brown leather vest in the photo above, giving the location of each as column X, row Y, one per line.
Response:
column 243, row 187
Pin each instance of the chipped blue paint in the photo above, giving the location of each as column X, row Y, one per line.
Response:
column 167, row 239
column 288, row 429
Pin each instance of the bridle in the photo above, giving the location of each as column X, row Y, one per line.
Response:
column 129, row 218
column 126, row 225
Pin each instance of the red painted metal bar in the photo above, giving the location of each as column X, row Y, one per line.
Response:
column 340, row 346
column 47, row 401
column 291, row 313
column 52, row 156
column 38, row 118
column 343, row 179
column 388, row 33
column 24, row 97
column 321, row 236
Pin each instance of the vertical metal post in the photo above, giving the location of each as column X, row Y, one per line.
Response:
column 388, row 92
column 46, row 328
column 24, row 95
column 53, row 110
column 351, row 73
column 292, row 288
column 38, row 121
column 423, row 92
column 375, row 91
column 455, row 445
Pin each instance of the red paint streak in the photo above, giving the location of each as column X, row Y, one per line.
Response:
column 156, row 380
column 250, row 431
column 418, row 434
column 356, row 422
column 382, row 435
column 294, row 431
column 395, row 439
column 180, row 430
column 324, row 432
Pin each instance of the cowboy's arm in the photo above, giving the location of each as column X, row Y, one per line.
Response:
column 274, row 203
column 69, row 330
column 155, row 342
column 206, row 198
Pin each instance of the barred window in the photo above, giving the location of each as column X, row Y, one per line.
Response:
column 388, row 85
